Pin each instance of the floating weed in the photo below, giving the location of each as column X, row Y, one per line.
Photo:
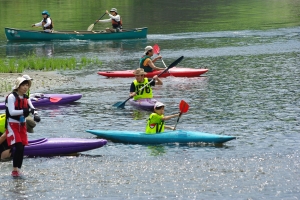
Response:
column 32, row 62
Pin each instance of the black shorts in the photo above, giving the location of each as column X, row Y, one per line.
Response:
column 3, row 147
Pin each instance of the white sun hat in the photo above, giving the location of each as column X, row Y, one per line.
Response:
column 19, row 81
column 27, row 77
column 147, row 48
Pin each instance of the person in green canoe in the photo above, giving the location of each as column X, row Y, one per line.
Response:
column 115, row 20
column 46, row 22
column 147, row 63
column 156, row 120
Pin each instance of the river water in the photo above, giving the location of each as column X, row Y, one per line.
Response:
column 251, row 91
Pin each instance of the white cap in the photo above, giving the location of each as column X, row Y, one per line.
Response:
column 158, row 104
column 114, row 10
column 27, row 77
column 147, row 49
column 19, row 81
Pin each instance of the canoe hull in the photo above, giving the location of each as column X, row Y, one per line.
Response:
column 143, row 104
column 175, row 71
column 45, row 101
column 177, row 136
column 13, row 34
column 61, row 146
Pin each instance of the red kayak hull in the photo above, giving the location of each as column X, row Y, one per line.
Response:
column 175, row 71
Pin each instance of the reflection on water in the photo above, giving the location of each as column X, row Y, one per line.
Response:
column 138, row 115
column 157, row 150
column 45, row 49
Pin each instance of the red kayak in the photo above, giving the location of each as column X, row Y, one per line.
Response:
column 175, row 71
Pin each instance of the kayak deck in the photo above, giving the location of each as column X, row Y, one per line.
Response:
column 175, row 71
column 177, row 136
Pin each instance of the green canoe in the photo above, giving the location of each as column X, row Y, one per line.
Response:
column 13, row 34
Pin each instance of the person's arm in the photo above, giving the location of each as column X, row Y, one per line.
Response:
column 158, row 81
column 30, row 103
column 48, row 22
column 132, row 90
column 11, row 106
column 155, row 59
column 170, row 116
column 117, row 17
column 38, row 24
column 104, row 20
column 151, row 64
column 169, row 127
column 2, row 138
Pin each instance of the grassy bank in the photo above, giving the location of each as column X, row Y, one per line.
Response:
column 32, row 62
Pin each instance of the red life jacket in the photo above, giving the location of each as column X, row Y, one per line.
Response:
column 20, row 104
column 116, row 24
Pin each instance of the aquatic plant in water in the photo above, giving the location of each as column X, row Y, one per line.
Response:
column 33, row 62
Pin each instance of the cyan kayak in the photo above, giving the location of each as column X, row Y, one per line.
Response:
column 178, row 136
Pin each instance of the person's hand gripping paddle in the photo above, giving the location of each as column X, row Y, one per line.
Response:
column 183, row 107
column 122, row 104
column 156, row 50
column 90, row 28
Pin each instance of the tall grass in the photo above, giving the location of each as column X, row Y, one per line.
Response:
column 32, row 62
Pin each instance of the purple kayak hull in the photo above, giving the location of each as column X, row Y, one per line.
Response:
column 61, row 146
column 56, row 99
column 143, row 104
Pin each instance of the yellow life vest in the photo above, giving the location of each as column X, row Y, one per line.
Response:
column 144, row 93
column 2, row 123
column 155, row 124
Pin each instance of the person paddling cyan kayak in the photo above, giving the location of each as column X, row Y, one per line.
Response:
column 156, row 120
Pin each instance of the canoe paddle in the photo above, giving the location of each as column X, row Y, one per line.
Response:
column 122, row 104
column 90, row 28
column 156, row 50
column 183, row 107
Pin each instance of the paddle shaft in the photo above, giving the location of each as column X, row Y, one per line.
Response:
column 184, row 107
column 157, row 49
column 100, row 18
column 121, row 104
column 163, row 61
column 177, row 121
column 146, row 84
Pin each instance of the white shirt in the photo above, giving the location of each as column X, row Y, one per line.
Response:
column 117, row 18
column 41, row 23
column 11, row 99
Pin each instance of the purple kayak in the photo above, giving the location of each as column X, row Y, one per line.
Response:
column 61, row 146
column 143, row 104
column 52, row 99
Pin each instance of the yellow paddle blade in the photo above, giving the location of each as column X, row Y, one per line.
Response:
column 91, row 27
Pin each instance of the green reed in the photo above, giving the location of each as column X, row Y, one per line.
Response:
column 33, row 62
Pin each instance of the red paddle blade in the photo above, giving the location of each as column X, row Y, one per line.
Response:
column 54, row 99
column 156, row 49
column 183, row 106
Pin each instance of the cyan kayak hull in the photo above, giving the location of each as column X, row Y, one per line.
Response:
column 61, row 146
column 177, row 136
